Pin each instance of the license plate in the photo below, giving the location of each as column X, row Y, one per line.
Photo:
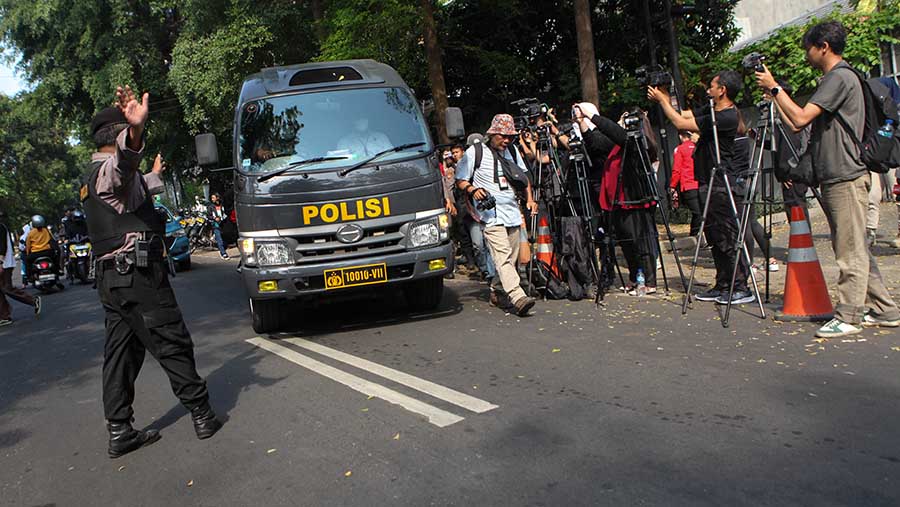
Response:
column 355, row 276
column 44, row 278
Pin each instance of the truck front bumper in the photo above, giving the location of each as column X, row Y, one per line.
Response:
column 309, row 279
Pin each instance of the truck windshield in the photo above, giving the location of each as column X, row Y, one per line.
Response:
column 342, row 127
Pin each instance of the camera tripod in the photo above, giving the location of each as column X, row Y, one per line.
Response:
column 741, row 246
column 650, row 193
column 548, row 189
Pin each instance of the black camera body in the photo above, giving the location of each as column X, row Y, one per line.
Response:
column 530, row 109
column 488, row 203
column 753, row 61
column 633, row 121
column 656, row 77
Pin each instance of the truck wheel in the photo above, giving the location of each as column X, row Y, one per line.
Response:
column 267, row 315
column 423, row 295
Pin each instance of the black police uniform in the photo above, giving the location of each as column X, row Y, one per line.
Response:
column 141, row 311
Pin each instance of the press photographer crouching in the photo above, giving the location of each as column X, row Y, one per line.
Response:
column 624, row 193
column 721, row 220
column 491, row 186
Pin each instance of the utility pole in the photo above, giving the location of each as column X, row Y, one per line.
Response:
column 587, row 59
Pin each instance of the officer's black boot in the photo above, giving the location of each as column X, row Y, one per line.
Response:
column 205, row 422
column 124, row 439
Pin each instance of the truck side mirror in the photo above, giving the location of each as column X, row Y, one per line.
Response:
column 453, row 120
column 207, row 149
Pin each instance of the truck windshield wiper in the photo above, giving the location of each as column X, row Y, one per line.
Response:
column 294, row 165
column 363, row 162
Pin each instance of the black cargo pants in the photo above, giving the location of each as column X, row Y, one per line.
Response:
column 141, row 315
column 721, row 234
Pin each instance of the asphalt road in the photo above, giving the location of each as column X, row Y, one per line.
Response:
column 630, row 404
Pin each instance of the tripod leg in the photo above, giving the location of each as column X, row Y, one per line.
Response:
column 687, row 293
column 742, row 232
column 743, row 248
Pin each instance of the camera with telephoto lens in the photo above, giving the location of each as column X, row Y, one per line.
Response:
column 753, row 61
column 488, row 203
column 656, row 77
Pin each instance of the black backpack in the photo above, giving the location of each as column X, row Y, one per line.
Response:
column 878, row 153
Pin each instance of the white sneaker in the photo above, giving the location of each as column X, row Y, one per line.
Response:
column 871, row 321
column 835, row 328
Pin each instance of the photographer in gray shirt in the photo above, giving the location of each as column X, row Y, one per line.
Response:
column 863, row 299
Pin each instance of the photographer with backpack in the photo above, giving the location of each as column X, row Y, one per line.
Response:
column 844, row 147
column 491, row 182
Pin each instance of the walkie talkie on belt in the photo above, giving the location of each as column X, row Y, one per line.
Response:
column 141, row 253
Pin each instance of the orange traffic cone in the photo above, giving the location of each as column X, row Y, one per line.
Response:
column 544, row 247
column 806, row 296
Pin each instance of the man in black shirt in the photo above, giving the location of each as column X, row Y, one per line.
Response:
column 721, row 221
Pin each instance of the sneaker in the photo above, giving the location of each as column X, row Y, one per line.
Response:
column 710, row 295
column 494, row 299
column 649, row 290
column 738, row 297
column 224, row 255
column 870, row 320
column 37, row 305
column 5, row 322
column 773, row 265
column 523, row 305
column 836, row 328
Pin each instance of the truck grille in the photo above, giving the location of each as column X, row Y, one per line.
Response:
column 321, row 248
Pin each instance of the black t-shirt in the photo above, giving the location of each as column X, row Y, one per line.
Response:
column 705, row 152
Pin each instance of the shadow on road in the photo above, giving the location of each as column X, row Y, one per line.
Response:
column 226, row 384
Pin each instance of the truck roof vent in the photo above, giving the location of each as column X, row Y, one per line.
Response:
column 328, row 75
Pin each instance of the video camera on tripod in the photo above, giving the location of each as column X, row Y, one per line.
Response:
column 530, row 110
column 753, row 61
column 656, row 77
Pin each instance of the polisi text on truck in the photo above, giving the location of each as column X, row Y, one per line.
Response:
column 345, row 211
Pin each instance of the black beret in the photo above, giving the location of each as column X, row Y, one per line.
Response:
column 108, row 116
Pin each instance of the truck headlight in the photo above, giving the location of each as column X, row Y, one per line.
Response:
column 424, row 233
column 273, row 254
column 178, row 233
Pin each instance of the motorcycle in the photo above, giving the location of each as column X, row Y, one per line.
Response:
column 80, row 263
column 201, row 231
column 43, row 274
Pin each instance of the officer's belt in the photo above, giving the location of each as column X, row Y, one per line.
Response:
column 111, row 263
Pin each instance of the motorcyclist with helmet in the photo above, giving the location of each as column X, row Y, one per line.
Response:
column 40, row 243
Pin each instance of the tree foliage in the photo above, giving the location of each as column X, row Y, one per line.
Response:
column 192, row 55
column 38, row 170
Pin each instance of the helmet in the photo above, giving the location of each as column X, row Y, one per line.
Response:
column 38, row 221
column 78, row 214
column 474, row 139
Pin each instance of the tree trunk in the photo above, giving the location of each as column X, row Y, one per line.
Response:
column 587, row 59
column 435, row 69
column 318, row 12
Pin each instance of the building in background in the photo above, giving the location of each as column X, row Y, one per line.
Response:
column 758, row 19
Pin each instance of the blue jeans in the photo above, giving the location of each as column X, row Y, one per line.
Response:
column 482, row 252
column 218, row 234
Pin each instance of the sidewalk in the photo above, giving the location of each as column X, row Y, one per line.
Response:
column 885, row 253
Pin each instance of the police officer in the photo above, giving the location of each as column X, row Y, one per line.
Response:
column 132, row 277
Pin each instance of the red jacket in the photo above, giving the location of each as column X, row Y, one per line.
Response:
column 683, row 167
column 610, row 180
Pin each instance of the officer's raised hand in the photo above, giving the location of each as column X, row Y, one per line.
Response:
column 135, row 112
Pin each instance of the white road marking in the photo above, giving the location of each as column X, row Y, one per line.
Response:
column 436, row 416
column 438, row 391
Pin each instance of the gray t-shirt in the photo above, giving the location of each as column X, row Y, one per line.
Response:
column 835, row 155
